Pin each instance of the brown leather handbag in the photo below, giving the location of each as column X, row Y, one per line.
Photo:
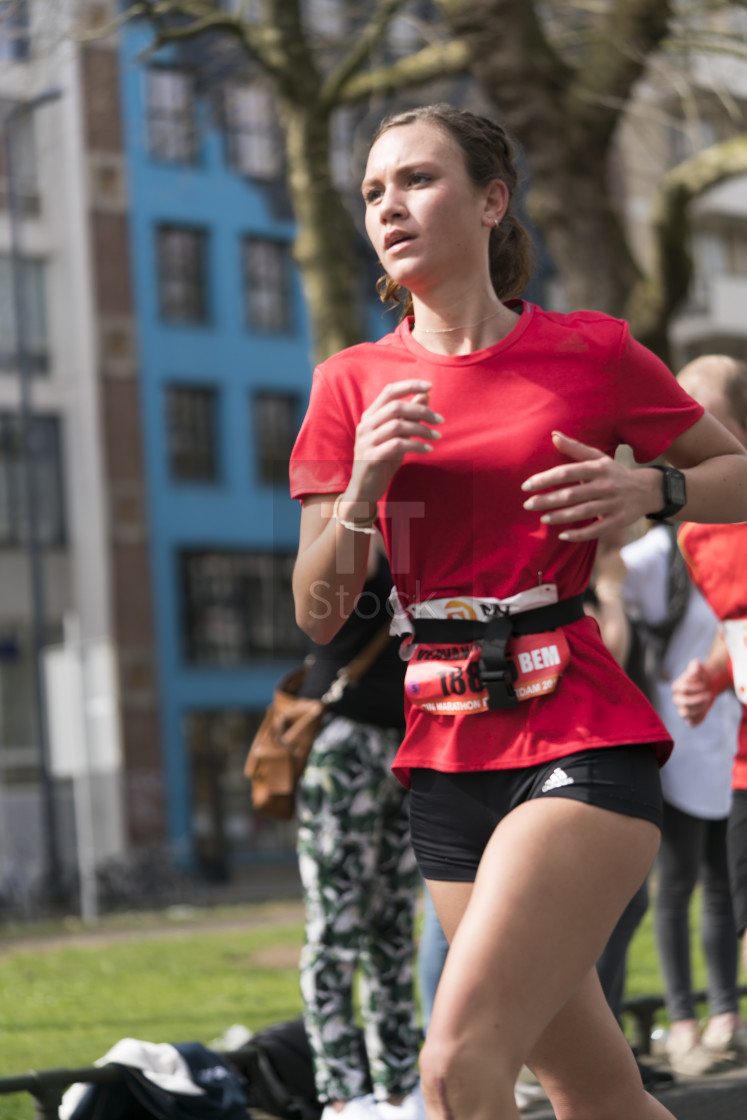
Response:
column 283, row 742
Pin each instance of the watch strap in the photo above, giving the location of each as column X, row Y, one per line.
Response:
column 670, row 506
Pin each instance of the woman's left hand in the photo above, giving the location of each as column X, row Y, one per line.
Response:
column 593, row 487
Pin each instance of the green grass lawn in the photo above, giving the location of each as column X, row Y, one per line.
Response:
column 67, row 1004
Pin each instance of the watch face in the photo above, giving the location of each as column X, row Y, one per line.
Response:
column 677, row 491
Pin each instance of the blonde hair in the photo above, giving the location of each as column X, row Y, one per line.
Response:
column 488, row 154
column 721, row 374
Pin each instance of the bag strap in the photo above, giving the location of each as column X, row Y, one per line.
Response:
column 360, row 664
column 679, row 587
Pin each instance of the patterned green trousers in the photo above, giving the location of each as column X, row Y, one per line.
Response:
column 360, row 883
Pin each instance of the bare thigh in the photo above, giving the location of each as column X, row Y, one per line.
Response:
column 553, row 881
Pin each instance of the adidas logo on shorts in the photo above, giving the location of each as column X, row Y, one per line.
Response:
column 557, row 779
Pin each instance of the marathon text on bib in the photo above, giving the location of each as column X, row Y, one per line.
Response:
column 445, row 679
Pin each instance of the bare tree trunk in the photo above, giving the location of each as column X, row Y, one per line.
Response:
column 565, row 117
column 658, row 295
column 324, row 247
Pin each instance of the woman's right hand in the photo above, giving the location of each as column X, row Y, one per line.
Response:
column 398, row 422
column 331, row 564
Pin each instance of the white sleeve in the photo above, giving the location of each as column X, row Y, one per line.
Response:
column 647, row 563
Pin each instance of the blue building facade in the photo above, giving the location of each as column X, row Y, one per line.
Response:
column 224, row 353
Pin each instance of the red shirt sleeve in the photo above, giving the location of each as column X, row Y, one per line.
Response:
column 652, row 408
column 322, row 458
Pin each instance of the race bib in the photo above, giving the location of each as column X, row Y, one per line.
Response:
column 445, row 679
column 735, row 635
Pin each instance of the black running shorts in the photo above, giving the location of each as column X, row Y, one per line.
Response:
column 736, row 843
column 452, row 816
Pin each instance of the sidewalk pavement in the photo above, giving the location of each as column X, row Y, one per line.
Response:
column 721, row 1096
column 718, row 1096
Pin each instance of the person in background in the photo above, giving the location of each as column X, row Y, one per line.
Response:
column 604, row 602
column 360, row 880
column 431, row 957
column 697, row 797
column 480, row 437
column 715, row 557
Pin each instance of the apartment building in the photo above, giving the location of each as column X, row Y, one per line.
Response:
column 65, row 162
column 170, row 365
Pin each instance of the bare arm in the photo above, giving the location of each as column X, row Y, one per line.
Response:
column 331, row 563
column 595, row 486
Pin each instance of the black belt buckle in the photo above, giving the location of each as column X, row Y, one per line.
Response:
column 500, row 686
column 496, row 672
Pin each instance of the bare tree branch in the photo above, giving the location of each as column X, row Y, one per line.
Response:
column 656, row 298
column 632, row 30
column 366, row 41
column 729, row 48
column 204, row 17
column 439, row 60
column 105, row 30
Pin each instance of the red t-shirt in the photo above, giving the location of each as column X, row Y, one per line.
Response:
column 714, row 555
column 454, row 522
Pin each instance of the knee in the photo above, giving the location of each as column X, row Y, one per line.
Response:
column 437, row 1059
column 439, row 1077
column 454, row 1076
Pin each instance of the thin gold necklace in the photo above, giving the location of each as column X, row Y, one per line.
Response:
column 463, row 327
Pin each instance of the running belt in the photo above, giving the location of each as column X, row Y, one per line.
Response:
column 497, row 671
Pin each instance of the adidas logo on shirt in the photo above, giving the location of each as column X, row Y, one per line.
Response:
column 557, row 779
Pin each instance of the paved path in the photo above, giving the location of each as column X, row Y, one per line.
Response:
column 182, row 923
column 720, row 1096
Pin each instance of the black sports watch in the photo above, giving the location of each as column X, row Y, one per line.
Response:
column 675, row 493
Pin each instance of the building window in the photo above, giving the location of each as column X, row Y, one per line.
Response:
column 252, row 132
column 46, row 456
column 14, row 30
column 17, row 711
column 715, row 254
column 266, row 286
column 190, row 433
column 275, row 426
column 172, row 130
column 735, row 252
column 24, row 161
column 33, row 308
column 181, row 264
column 238, row 607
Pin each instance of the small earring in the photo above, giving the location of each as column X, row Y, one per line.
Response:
column 495, row 223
